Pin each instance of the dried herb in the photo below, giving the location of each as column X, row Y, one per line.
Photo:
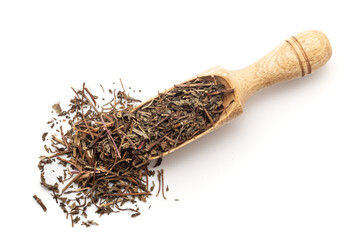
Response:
column 88, row 223
column 39, row 201
column 162, row 183
column 152, row 187
column 159, row 179
column 44, row 136
column 158, row 162
column 106, row 150
column 180, row 114
column 57, row 108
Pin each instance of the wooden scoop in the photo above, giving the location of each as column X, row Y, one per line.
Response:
column 300, row 55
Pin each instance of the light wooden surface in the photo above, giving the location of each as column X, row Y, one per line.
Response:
column 296, row 57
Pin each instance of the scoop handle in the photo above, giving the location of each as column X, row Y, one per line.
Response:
column 296, row 57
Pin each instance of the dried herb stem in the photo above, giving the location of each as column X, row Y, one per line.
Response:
column 63, row 137
column 82, row 111
column 71, row 182
column 222, row 91
column 39, row 201
column 109, row 134
column 194, row 85
column 162, row 183
column 154, row 143
column 60, row 153
column 127, row 138
column 126, row 194
column 159, row 179
column 69, row 162
column 209, row 117
column 58, row 140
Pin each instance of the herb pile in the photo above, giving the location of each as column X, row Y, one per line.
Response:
column 106, row 150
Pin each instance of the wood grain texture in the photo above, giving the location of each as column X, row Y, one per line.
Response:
column 296, row 57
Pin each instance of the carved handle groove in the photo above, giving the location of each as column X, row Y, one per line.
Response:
column 296, row 57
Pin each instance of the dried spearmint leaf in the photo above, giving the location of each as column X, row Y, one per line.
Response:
column 44, row 136
column 106, row 150
column 57, row 108
column 88, row 223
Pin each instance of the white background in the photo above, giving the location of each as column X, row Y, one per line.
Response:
column 288, row 168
